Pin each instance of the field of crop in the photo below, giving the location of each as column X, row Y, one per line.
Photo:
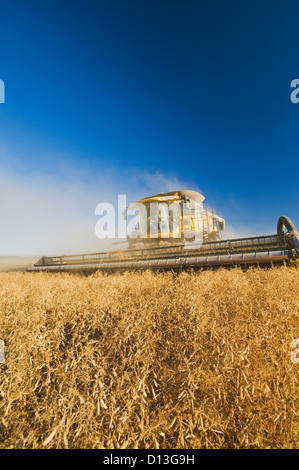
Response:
column 144, row 360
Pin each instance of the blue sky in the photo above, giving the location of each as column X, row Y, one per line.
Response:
column 108, row 97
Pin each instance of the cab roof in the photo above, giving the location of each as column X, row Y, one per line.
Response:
column 174, row 196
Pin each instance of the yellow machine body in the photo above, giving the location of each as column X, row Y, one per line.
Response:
column 185, row 225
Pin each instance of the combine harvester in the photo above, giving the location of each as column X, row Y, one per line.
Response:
column 175, row 239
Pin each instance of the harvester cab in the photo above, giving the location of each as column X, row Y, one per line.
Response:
column 173, row 217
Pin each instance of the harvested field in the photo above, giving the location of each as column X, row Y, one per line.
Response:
column 144, row 360
column 16, row 263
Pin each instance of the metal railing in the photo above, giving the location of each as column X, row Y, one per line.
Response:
column 258, row 243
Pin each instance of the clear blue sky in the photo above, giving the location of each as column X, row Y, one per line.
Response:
column 196, row 91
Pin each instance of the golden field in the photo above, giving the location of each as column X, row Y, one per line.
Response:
column 150, row 360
